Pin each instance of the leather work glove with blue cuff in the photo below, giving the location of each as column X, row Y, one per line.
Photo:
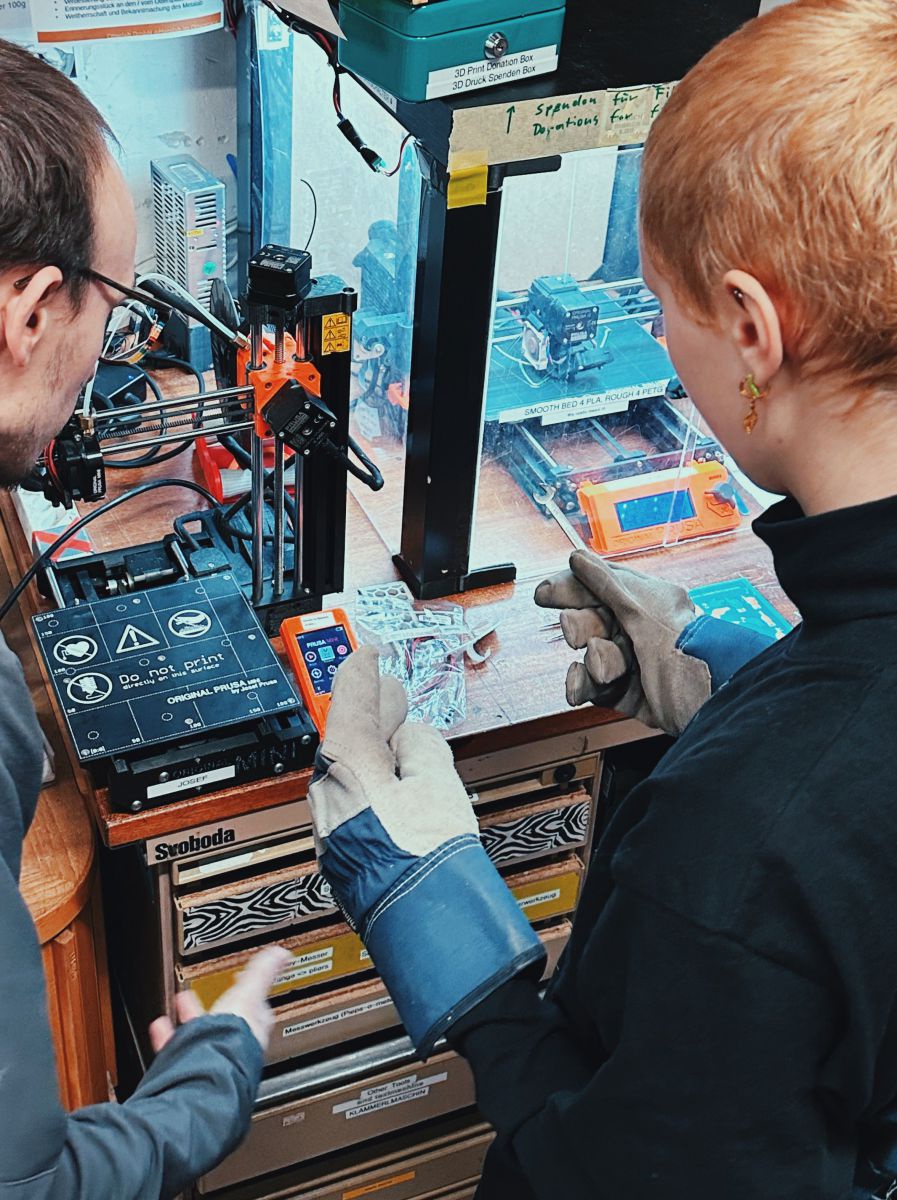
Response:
column 399, row 844
column 647, row 652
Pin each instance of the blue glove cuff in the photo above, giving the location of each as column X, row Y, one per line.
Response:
column 445, row 935
column 361, row 863
column 722, row 645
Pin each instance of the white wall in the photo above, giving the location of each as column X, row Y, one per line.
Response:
column 174, row 94
column 161, row 97
column 556, row 223
column 568, row 209
column 350, row 196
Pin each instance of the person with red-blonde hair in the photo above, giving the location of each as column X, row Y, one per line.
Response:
column 723, row 1023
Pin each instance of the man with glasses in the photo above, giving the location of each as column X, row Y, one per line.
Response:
column 66, row 231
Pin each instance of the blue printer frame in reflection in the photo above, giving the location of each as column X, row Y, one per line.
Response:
column 447, row 334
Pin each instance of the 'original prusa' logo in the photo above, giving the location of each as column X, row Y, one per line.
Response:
column 193, row 844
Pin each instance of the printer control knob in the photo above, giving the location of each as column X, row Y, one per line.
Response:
column 721, row 499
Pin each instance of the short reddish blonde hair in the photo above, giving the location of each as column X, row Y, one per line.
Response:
column 777, row 154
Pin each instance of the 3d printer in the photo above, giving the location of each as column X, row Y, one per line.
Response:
column 582, row 410
column 560, row 329
column 281, row 406
column 157, row 652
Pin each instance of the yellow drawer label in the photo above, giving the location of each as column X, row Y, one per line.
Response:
column 336, row 955
column 316, row 962
column 548, row 897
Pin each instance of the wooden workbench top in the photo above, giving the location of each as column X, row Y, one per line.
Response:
column 514, row 696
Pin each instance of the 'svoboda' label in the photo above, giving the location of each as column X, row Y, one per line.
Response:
column 194, row 844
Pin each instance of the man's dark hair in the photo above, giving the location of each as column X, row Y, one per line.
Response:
column 52, row 147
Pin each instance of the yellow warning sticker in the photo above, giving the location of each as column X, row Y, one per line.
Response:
column 337, row 333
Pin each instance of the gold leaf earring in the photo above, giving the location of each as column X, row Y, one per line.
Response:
column 752, row 391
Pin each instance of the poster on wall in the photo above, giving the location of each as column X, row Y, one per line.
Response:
column 15, row 22
column 56, row 22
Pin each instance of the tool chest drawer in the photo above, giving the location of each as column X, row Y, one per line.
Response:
column 311, row 1024
column 466, row 1193
column 240, row 908
column 420, row 1165
column 333, row 952
column 309, row 1117
column 532, row 831
column 235, row 912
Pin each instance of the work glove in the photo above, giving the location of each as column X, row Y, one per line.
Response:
column 399, row 844
column 647, row 652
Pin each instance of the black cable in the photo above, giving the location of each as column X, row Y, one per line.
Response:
column 186, row 305
column 151, row 456
column 231, row 511
column 314, row 213
column 374, row 368
column 163, row 359
column 156, row 456
column 47, row 555
column 372, row 477
column 245, row 535
column 235, row 450
column 343, row 124
column 241, row 501
column 224, row 516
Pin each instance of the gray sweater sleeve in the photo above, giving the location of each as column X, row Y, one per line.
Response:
column 191, row 1108
column 193, row 1105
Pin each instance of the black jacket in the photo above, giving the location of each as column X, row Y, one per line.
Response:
column 192, row 1106
column 724, row 1022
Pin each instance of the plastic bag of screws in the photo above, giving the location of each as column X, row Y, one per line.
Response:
column 422, row 646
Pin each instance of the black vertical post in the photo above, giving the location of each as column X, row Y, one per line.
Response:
column 323, row 477
column 456, row 258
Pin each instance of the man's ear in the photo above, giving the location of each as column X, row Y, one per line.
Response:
column 25, row 311
column 752, row 320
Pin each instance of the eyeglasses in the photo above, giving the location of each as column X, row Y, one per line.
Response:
column 172, row 299
column 131, row 328
column 130, row 291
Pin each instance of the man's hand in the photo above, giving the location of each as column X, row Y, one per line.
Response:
column 247, row 998
column 629, row 625
column 398, row 842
